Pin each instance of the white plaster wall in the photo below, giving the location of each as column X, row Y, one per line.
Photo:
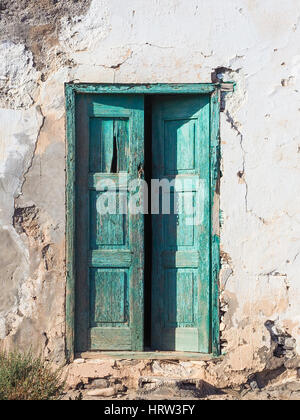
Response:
column 183, row 41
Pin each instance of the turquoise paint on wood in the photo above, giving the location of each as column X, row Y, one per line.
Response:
column 105, row 258
column 181, row 249
column 109, row 139
column 109, row 247
column 70, row 222
column 147, row 89
column 215, row 220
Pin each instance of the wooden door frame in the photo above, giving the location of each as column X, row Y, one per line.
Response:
column 212, row 89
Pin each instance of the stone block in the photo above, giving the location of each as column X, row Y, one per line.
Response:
column 108, row 392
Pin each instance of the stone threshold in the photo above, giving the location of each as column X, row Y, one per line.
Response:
column 146, row 355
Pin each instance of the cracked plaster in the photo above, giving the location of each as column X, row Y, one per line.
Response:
column 144, row 41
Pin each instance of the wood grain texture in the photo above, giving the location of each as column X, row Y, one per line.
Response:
column 70, row 222
column 71, row 91
column 215, row 215
column 146, row 89
column 111, row 338
column 107, row 258
column 181, row 248
column 146, row 355
column 109, row 247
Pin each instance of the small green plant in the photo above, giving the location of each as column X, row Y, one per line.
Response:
column 26, row 377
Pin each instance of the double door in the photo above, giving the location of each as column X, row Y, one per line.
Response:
column 111, row 199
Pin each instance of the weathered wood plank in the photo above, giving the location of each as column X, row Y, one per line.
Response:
column 108, row 258
column 70, row 222
column 184, row 339
column 146, row 355
column 215, row 220
column 181, row 246
column 110, row 338
column 82, row 227
column 102, row 182
column 108, row 297
column 187, row 259
column 109, row 245
column 136, row 304
column 146, row 89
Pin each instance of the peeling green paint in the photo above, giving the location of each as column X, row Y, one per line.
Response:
column 70, row 92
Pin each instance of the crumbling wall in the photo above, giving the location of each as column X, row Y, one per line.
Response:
column 256, row 44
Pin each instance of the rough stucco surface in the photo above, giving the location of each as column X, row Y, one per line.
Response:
column 256, row 44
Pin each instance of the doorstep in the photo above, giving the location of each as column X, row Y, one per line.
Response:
column 128, row 370
column 146, row 355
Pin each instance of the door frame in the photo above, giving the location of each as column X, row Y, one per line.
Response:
column 212, row 89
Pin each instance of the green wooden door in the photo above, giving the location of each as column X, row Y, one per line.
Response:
column 109, row 247
column 181, row 242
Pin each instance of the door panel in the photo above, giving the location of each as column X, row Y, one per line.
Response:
column 108, row 136
column 109, row 247
column 181, row 239
column 179, row 154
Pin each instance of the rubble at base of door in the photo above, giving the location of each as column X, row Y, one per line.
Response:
column 155, row 379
